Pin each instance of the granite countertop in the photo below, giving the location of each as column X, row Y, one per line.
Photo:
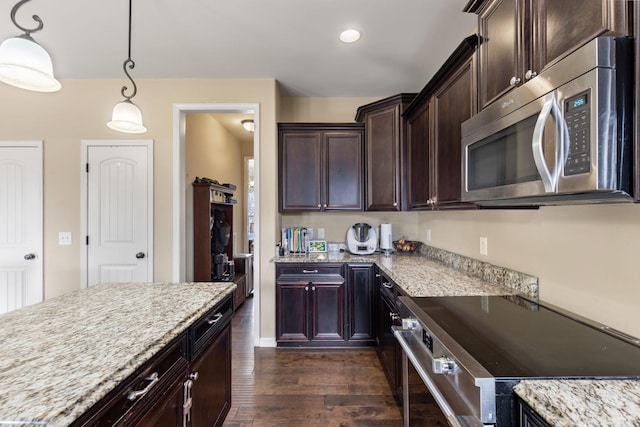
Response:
column 436, row 272
column 58, row 358
column 588, row 403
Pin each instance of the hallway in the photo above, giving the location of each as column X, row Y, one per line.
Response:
column 291, row 387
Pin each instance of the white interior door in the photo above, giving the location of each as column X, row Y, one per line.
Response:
column 20, row 224
column 119, row 211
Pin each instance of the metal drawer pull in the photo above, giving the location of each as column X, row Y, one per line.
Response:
column 133, row 395
column 309, row 271
column 216, row 318
column 387, row 285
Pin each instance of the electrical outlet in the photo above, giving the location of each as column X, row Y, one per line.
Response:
column 65, row 238
column 428, row 234
column 484, row 246
column 320, row 233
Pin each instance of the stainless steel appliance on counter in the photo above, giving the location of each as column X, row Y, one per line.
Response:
column 565, row 136
column 470, row 351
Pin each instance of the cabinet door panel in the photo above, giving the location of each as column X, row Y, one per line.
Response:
column 168, row 411
column 418, row 170
column 382, row 159
column 499, row 49
column 360, row 303
column 568, row 24
column 300, row 171
column 211, row 392
column 328, row 312
column 292, row 310
column 453, row 104
column 344, row 180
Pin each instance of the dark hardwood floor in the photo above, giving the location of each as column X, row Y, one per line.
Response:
column 293, row 387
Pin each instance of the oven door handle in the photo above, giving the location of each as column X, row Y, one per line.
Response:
column 550, row 177
column 452, row 417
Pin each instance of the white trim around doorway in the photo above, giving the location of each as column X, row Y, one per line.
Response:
column 179, row 189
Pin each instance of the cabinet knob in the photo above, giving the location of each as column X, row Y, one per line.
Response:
column 306, row 288
column 530, row 74
column 319, row 205
column 395, row 203
column 194, row 376
column 515, row 81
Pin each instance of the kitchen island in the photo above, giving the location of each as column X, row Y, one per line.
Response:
column 60, row 357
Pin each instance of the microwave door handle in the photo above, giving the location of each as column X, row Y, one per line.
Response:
column 549, row 178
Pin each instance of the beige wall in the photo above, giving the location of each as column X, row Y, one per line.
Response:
column 322, row 110
column 213, row 152
column 586, row 257
column 80, row 111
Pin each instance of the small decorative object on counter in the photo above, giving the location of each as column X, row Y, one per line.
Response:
column 317, row 246
column 406, row 246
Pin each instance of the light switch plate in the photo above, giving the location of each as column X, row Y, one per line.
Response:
column 65, row 238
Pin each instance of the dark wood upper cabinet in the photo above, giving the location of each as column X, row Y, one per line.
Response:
column 418, row 189
column 433, row 145
column 520, row 38
column 321, row 166
column 385, row 132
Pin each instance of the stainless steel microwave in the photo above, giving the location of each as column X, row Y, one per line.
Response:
column 565, row 136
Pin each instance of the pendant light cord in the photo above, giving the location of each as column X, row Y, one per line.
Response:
column 36, row 18
column 128, row 63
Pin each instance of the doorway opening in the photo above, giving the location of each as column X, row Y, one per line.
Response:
column 181, row 220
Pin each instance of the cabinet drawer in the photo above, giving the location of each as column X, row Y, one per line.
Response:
column 130, row 401
column 209, row 325
column 300, row 270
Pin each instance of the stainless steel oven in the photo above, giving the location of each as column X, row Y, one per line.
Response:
column 469, row 353
column 564, row 136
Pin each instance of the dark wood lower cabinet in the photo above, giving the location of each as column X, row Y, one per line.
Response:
column 360, row 297
column 387, row 346
column 527, row 417
column 319, row 305
column 167, row 411
column 211, row 391
column 310, row 312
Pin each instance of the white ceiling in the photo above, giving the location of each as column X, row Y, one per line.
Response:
column 293, row 41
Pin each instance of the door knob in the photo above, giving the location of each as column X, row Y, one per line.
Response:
column 140, row 255
column 29, row 256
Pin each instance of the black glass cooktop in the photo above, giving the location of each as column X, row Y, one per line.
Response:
column 515, row 338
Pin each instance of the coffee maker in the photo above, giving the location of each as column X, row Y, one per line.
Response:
column 223, row 269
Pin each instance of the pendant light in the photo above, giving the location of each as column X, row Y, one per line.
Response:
column 23, row 62
column 126, row 115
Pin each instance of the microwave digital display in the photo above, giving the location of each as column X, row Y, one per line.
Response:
column 577, row 102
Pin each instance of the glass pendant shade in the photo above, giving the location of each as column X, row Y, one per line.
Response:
column 127, row 118
column 25, row 64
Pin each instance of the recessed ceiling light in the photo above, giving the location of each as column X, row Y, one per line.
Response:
column 350, row 35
